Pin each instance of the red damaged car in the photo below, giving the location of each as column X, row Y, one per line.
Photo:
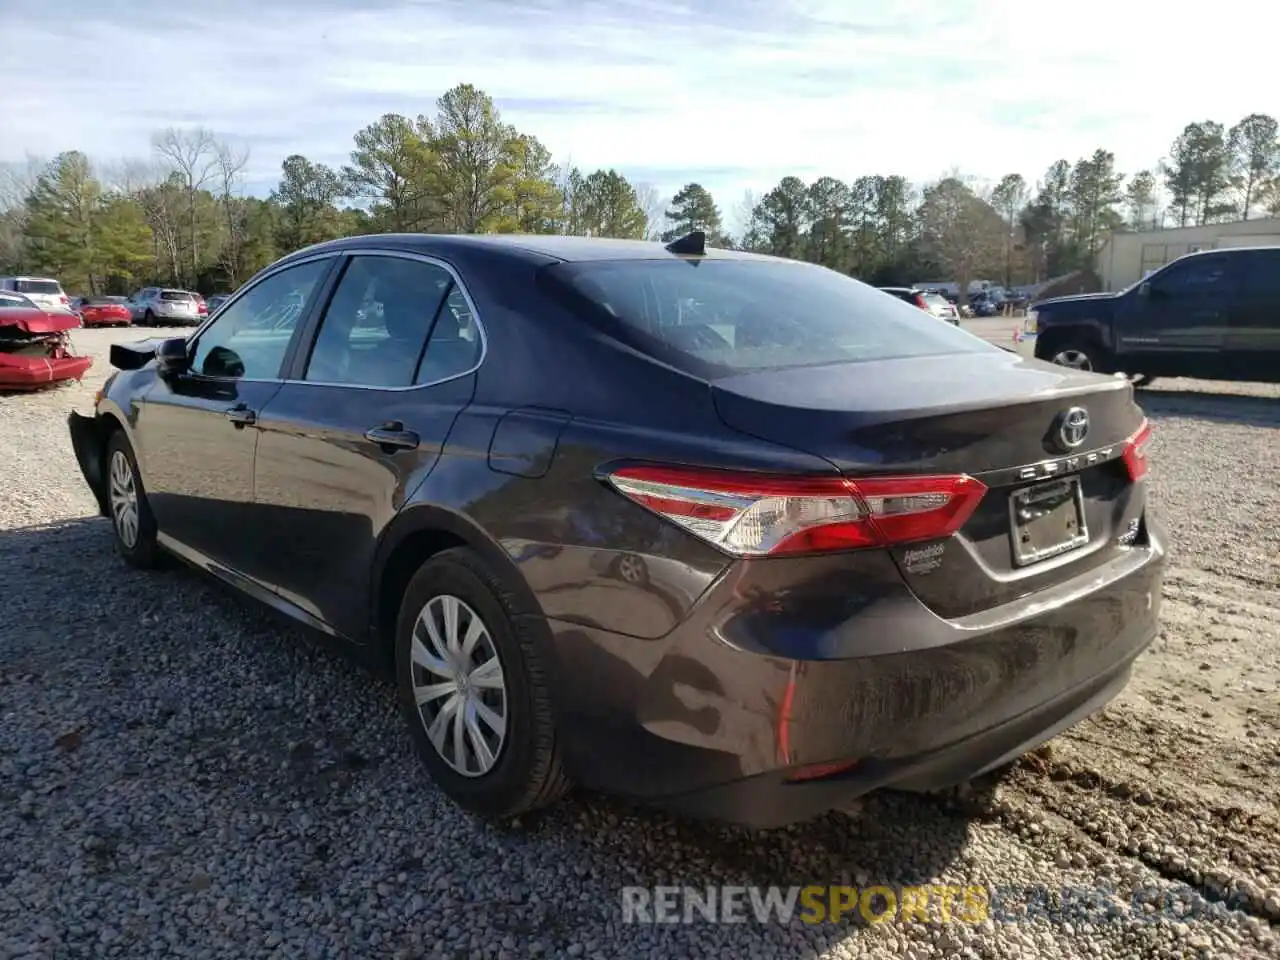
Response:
column 35, row 346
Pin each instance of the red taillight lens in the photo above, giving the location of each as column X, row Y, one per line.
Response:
column 922, row 303
column 1135, row 452
column 754, row 515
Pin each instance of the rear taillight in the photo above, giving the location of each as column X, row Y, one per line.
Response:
column 922, row 303
column 751, row 515
column 1135, row 452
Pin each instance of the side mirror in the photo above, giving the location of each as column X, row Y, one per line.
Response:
column 172, row 357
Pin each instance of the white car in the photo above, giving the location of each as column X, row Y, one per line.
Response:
column 164, row 306
column 45, row 292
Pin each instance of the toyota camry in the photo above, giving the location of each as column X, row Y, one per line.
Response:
column 731, row 534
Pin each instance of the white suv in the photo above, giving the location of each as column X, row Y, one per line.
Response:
column 44, row 292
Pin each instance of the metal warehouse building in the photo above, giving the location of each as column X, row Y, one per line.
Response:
column 1128, row 257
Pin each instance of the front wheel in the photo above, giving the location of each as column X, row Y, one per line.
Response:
column 1079, row 355
column 472, row 685
column 131, row 519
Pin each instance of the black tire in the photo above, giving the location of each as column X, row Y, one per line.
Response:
column 143, row 552
column 149, row 318
column 527, row 773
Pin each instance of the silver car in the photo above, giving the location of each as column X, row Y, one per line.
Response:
column 164, row 306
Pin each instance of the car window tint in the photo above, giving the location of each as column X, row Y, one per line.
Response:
column 377, row 322
column 716, row 317
column 42, row 288
column 249, row 338
column 1196, row 276
column 455, row 341
column 1262, row 277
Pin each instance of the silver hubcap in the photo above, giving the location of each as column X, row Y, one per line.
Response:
column 124, row 499
column 631, row 569
column 458, row 686
column 1075, row 359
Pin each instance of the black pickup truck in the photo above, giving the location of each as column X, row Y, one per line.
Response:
column 1214, row 315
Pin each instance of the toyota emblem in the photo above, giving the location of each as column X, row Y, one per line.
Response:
column 1073, row 427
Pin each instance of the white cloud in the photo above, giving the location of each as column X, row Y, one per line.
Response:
column 736, row 94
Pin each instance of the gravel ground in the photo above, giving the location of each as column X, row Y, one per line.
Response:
column 180, row 776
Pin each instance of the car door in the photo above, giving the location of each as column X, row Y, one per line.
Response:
column 195, row 432
column 1252, row 343
column 359, row 424
column 1174, row 323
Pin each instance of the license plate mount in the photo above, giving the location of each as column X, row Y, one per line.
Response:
column 1047, row 520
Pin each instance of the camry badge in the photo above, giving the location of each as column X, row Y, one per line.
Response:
column 1073, row 427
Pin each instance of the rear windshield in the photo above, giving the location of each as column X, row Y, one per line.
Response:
column 102, row 301
column 719, row 317
column 174, row 295
column 936, row 300
column 40, row 287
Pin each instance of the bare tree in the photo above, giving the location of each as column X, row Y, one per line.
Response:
column 231, row 163
column 193, row 155
column 17, row 180
column 130, row 175
column 649, row 199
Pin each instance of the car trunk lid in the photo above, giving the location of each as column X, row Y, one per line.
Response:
column 995, row 416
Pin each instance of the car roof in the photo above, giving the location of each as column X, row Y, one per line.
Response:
column 535, row 246
column 1271, row 247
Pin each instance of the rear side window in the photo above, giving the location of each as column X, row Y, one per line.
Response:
column 1262, row 274
column 720, row 317
column 394, row 322
column 175, row 295
column 39, row 287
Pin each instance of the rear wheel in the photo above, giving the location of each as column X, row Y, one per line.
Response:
column 131, row 519
column 473, row 688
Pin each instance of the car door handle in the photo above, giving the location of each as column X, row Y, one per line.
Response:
column 240, row 415
column 392, row 437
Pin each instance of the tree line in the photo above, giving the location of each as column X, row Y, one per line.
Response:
column 181, row 216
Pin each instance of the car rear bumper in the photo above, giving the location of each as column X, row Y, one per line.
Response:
column 88, row 442
column 28, row 372
column 714, row 720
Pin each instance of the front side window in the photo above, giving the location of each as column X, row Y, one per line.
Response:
column 250, row 337
column 376, row 326
column 1194, row 277
column 720, row 317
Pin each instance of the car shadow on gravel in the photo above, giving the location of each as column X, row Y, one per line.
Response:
column 316, row 761
column 1231, row 408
